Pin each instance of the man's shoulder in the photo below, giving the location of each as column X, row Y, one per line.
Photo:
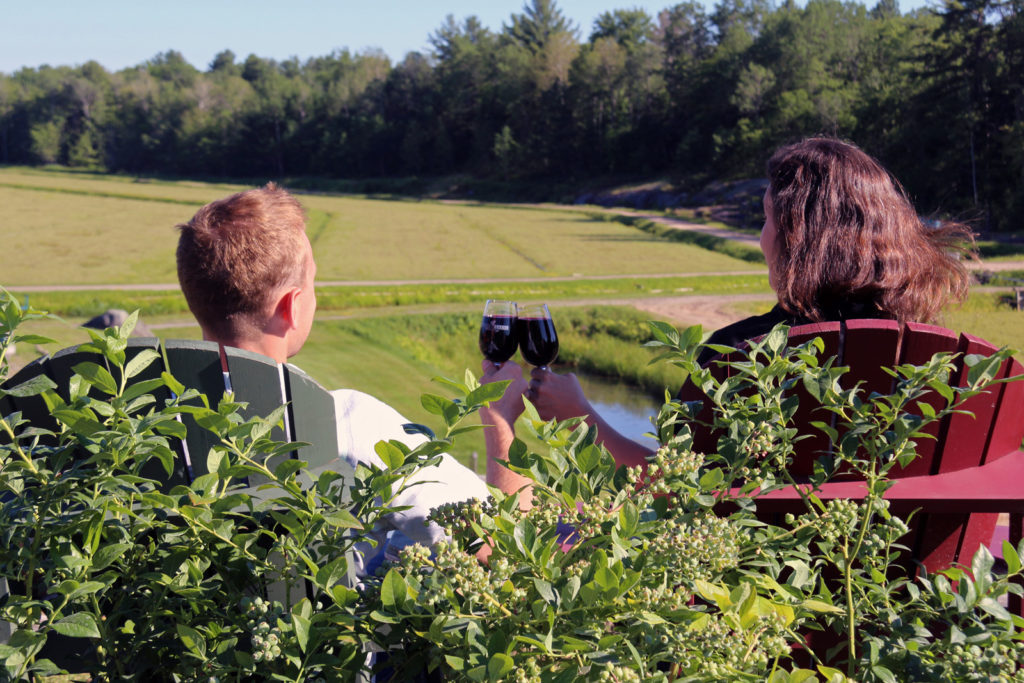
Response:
column 347, row 401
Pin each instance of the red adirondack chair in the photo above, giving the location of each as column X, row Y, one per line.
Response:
column 961, row 480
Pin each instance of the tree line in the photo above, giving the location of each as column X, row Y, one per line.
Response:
column 692, row 93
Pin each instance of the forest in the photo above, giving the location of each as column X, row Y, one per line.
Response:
column 693, row 94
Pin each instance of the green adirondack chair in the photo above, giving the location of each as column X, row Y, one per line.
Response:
column 255, row 379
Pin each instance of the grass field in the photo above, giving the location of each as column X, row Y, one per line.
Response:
column 69, row 229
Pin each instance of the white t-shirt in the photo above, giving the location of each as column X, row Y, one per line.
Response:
column 362, row 421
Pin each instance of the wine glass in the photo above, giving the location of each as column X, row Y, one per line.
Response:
column 538, row 341
column 498, row 330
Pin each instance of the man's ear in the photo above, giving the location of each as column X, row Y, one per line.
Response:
column 288, row 305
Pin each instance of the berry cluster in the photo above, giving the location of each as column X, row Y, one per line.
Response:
column 697, row 548
column 669, row 468
column 1000, row 662
column 263, row 625
column 450, row 573
column 723, row 651
column 456, row 518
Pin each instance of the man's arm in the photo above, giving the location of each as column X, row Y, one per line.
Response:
column 363, row 421
column 499, row 430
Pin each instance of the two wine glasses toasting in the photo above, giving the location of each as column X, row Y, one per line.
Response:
column 507, row 325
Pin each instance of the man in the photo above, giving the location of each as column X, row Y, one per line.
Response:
column 246, row 268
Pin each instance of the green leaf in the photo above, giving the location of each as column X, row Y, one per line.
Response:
column 139, row 388
column 301, row 625
column 331, row 573
column 1013, row 564
column 108, row 554
column 545, row 591
column 97, row 376
column 33, row 339
column 884, row 674
column 664, row 332
column 32, row 387
column 77, row 625
column 486, row 393
column 342, row 519
column 288, row 468
column 816, row 384
column 819, row 606
column 499, row 665
column 390, row 454
column 393, row 590
column 129, row 324
column 829, row 673
column 436, row 405
column 629, row 518
column 212, row 421
column 588, row 458
column 712, row 479
column 192, row 639
column 142, row 360
column 176, row 387
column 982, row 563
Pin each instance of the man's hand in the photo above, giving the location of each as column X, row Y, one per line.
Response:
column 505, row 411
column 499, row 419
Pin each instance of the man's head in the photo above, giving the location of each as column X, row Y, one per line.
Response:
column 246, row 269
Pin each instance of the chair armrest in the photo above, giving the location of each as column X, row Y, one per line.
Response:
column 992, row 487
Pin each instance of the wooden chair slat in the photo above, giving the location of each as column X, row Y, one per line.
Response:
column 819, row 444
column 869, row 346
column 154, row 469
column 944, row 537
column 257, row 380
column 920, row 343
column 1008, row 425
column 315, row 422
column 196, row 364
column 967, row 435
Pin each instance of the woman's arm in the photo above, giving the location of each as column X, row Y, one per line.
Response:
column 560, row 397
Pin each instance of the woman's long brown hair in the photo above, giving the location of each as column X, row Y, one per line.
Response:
column 848, row 236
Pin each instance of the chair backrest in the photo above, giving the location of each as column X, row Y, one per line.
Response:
column 994, row 428
column 995, row 425
column 255, row 379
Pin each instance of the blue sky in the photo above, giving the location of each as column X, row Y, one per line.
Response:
column 121, row 33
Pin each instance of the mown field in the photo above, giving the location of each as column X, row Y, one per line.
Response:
column 89, row 230
column 400, row 284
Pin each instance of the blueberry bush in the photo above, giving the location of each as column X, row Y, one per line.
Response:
column 614, row 574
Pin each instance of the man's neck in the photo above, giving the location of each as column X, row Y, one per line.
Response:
column 266, row 345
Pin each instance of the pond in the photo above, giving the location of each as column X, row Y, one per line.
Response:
column 624, row 407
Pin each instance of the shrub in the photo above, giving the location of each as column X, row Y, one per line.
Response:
column 624, row 575
column 613, row 575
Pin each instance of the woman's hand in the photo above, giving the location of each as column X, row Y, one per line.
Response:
column 556, row 396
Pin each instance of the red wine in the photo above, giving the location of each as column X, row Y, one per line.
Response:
column 538, row 341
column 498, row 337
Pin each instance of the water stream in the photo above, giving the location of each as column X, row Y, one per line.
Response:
column 625, row 408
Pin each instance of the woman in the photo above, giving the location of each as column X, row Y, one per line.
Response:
column 841, row 240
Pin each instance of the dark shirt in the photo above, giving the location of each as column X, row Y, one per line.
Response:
column 758, row 325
